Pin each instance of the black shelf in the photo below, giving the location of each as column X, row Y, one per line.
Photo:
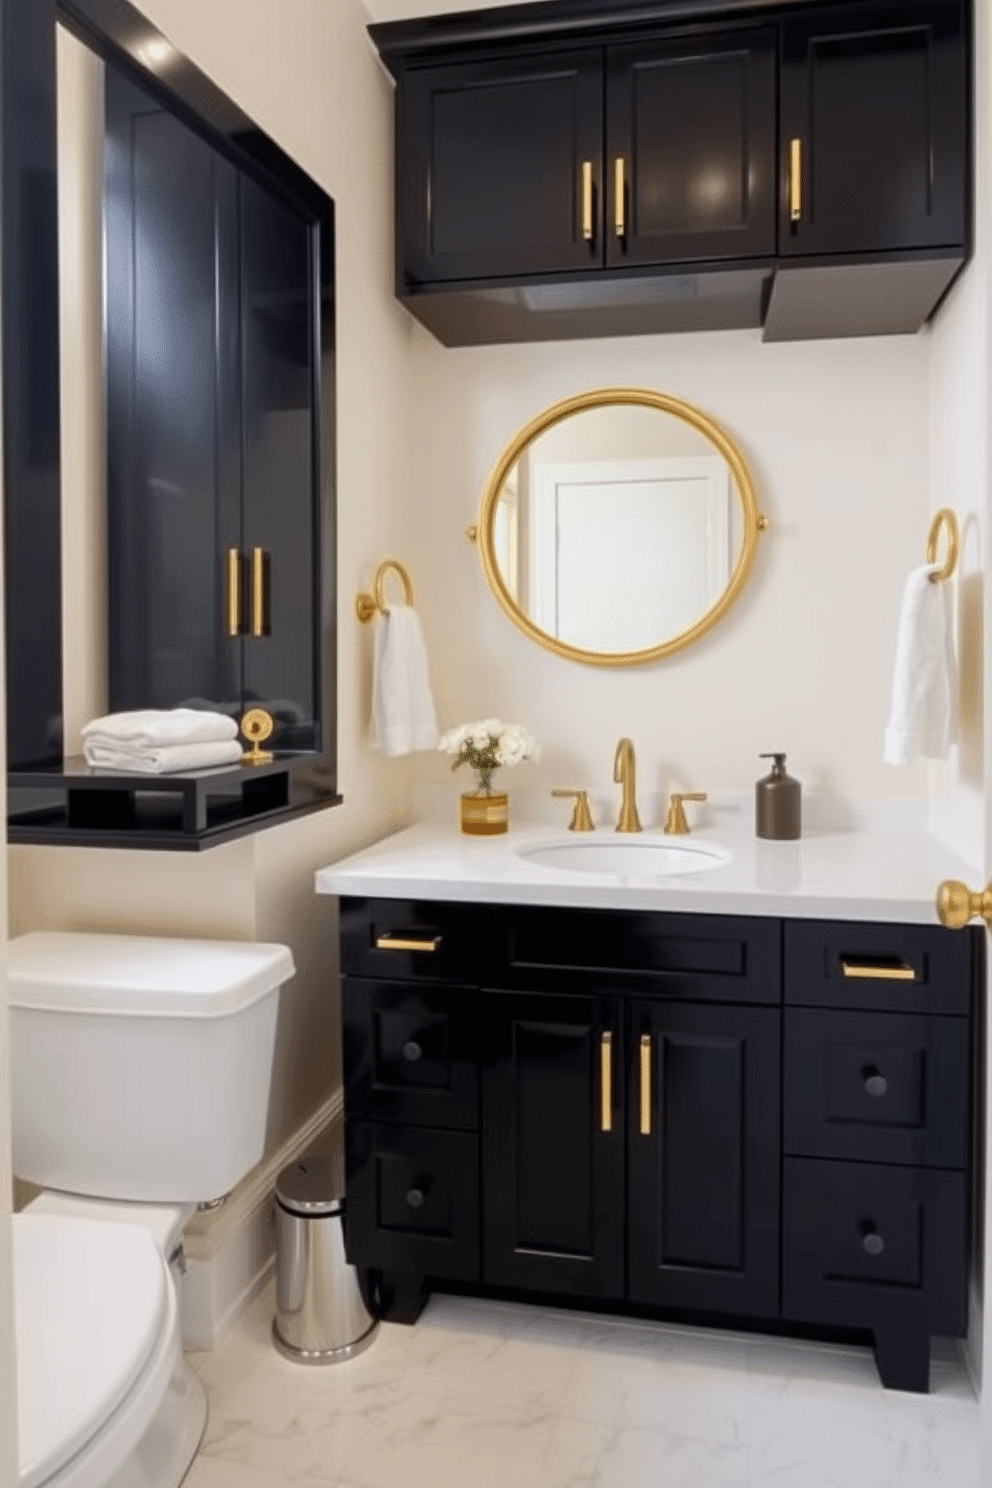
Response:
column 75, row 805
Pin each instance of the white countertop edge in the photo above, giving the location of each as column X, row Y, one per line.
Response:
column 836, row 875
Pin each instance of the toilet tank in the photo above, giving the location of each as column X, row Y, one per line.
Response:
column 141, row 1066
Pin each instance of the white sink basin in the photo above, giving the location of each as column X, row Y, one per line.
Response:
column 632, row 857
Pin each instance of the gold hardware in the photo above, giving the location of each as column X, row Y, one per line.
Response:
column 258, row 592
column 606, row 1082
column 619, row 212
column 256, row 726
column 472, row 533
column 367, row 604
column 869, row 973
column 645, row 1084
column 581, row 817
column 625, row 774
column 233, row 592
column 957, row 904
column 403, row 943
column 795, row 180
column 675, row 822
column 946, row 520
column 587, row 200
column 752, row 522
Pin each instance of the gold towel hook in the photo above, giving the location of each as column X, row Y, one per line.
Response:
column 366, row 604
column 947, row 520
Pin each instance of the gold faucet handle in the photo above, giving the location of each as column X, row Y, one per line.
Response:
column 581, row 817
column 675, row 822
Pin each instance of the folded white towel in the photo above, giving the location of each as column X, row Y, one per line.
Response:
column 923, row 716
column 149, row 727
column 165, row 759
column 404, row 718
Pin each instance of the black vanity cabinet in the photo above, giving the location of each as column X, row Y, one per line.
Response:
column 733, row 1118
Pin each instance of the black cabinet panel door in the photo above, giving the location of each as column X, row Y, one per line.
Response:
column 691, row 149
column 703, row 1157
column 879, row 112
column 491, row 156
column 552, row 1143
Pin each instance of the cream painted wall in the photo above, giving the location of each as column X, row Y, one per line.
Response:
column 309, row 76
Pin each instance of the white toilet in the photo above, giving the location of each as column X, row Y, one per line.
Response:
column 140, row 1080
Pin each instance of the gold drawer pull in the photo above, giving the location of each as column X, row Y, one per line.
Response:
column 587, row 200
column 645, row 1084
column 402, row 943
column 619, row 203
column 869, row 973
column 233, row 592
column 606, row 1082
column 795, row 180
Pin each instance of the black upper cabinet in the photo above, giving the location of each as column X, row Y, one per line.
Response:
column 210, row 399
column 874, row 101
column 493, row 161
column 691, row 149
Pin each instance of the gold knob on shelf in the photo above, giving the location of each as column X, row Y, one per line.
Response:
column 675, row 822
column 256, row 726
column 581, row 817
column 957, row 904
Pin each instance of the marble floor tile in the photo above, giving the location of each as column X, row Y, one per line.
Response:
column 483, row 1394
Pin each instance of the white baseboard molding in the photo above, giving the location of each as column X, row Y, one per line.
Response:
column 230, row 1250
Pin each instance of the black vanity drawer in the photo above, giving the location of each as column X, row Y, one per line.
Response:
column 413, row 1200
column 871, row 1246
column 877, row 1087
column 901, row 968
column 410, row 1052
column 411, row 939
column 712, row 958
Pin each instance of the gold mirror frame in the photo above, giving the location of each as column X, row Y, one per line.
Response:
column 753, row 521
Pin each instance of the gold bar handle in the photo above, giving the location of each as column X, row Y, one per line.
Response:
column 587, row 200
column 865, row 972
column 233, row 592
column 606, row 1081
column 645, row 1084
column 795, row 180
column 619, row 204
column 404, row 943
column 258, row 591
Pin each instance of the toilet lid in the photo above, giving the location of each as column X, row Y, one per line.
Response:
column 89, row 1302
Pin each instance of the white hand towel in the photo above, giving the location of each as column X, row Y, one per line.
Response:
column 150, row 727
column 404, row 718
column 165, row 759
column 923, row 716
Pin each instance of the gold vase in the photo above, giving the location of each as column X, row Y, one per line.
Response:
column 484, row 816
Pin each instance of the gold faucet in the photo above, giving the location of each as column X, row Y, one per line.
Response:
column 675, row 821
column 624, row 773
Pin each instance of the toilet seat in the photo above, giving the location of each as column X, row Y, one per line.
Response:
column 97, row 1347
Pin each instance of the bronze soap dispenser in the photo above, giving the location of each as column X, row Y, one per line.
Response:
column 778, row 809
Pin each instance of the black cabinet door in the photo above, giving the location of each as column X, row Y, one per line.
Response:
column 875, row 101
column 703, row 1157
column 691, row 149
column 553, row 1143
column 501, row 165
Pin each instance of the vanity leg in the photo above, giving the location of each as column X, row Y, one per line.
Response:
column 400, row 1298
column 903, row 1358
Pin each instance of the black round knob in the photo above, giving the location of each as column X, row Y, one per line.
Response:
column 415, row 1198
column 412, row 1051
column 875, row 1083
column 872, row 1244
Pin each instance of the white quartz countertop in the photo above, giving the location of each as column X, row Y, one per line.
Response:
column 827, row 874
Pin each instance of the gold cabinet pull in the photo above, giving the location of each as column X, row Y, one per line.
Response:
column 606, row 1080
column 645, row 1084
column 233, row 592
column 795, row 180
column 866, row 972
column 258, row 567
column 587, row 200
column 957, row 904
column 404, row 943
column 619, row 212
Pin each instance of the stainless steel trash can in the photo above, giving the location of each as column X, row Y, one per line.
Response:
column 320, row 1316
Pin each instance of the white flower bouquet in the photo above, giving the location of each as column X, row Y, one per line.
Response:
column 487, row 745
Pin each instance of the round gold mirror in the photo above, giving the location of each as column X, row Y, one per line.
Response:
column 618, row 526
